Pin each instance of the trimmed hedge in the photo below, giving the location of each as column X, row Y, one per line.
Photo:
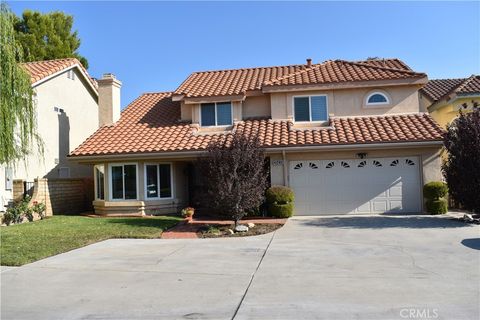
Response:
column 439, row 206
column 280, row 195
column 435, row 190
column 281, row 210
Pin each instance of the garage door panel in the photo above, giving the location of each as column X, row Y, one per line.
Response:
column 356, row 185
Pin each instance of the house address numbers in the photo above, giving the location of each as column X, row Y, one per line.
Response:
column 277, row 163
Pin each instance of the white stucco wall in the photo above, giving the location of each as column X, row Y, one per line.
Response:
column 61, row 132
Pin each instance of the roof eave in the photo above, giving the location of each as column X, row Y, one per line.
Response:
column 85, row 76
column 275, row 149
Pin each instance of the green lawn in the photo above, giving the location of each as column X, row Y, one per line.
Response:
column 32, row 241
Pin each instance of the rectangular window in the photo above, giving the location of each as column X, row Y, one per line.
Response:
column 216, row 114
column 8, row 178
column 99, row 182
column 158, row 179
column 152, row 181
column 312, row 108
column 124, row 182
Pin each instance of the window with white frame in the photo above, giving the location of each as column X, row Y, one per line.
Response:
column 216, row 114
column 310, row 108
column 158, row 181
column 123, row 181
column 99, row 182
column 377, row 98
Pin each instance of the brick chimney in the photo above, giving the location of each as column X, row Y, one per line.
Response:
column 309, row 62
column 108, row 99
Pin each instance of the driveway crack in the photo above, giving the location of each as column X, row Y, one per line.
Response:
column 253, row 276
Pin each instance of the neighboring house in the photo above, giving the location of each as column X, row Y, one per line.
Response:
column 348, row 137
column 443, row 98
column 68, row 110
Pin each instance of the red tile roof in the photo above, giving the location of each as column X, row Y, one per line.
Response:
column 470, row 86
column 440, row 88
column 150, row 124
column 238, row 81
column 40, row 70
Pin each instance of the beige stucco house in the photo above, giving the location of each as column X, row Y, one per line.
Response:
column 69, row 109
column 348, row 137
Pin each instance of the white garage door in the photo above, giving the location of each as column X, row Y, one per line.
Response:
column 356, row 186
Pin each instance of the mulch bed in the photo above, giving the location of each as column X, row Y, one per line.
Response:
column 221, row 231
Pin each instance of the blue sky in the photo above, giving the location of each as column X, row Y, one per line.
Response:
column 154, row 46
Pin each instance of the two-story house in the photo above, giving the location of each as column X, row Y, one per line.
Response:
column 348, row 137
column 70, row 106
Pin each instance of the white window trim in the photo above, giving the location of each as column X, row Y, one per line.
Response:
column 110, row 194
column 377, row 103
column 217, row 125
column 309, row 108
column 172, row 196
column 95, row 181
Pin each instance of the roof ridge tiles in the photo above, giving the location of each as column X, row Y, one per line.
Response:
column 364, row 64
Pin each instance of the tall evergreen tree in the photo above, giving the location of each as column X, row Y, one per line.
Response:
column 48, row 36
column 462, row 168
column 17, row 109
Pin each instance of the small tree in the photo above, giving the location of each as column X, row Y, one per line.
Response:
column 234, row 176
column 462, row 169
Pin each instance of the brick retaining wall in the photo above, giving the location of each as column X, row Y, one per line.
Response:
column 61, row 196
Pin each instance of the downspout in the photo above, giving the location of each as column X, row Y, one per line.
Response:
column 285, row 173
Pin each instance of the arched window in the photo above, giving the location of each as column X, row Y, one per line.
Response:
column 376, row 98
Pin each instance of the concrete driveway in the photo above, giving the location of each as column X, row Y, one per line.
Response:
column 353, row 267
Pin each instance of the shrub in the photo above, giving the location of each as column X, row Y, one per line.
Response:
column 39, row 208
column 15, row 213
column 280, row 195
column 281, row 210
column 438, row 206
column 435, row 190
column 461, row 170
column 7, row 218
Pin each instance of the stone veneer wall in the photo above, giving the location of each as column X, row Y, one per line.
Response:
column 61, row 196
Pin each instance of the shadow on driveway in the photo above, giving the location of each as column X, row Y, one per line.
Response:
column 381, row 222
column 473, row 243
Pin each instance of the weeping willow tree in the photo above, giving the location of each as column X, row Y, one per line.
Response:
column 18, row 132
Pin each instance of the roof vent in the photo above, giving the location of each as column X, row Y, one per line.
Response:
column 309, row 62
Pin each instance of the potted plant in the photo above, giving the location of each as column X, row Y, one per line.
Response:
column 188, row 213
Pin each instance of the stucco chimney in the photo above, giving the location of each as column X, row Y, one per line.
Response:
column 108, row 99
column 309, row 62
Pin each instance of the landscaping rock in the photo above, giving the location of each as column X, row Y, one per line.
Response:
column 468, row 217
column 251, row 224
column 241, row 228
column 230, row 231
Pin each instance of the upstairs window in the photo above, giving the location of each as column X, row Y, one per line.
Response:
column 216, row 114
column 311, row 108
column 377, row 98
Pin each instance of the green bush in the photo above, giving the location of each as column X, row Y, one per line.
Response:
column 7, row 218
column 437, row 206
column 435, row 190
column 280, row 195
column 281, row 210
